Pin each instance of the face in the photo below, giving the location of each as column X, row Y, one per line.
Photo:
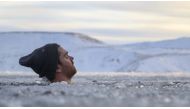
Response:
column 65, row 68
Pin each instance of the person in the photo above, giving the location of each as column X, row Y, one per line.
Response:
column 51, row 61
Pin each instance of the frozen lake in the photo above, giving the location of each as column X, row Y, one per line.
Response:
column 98, row 89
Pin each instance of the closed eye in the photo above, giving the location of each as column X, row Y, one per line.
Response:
column 66, row 55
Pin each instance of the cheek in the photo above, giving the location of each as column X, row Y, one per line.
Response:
column 66, row 63
column 63, row 60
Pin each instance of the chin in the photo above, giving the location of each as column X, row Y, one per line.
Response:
column 73, row 72
column 74, row 69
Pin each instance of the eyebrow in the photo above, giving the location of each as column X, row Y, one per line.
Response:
column 66, row 53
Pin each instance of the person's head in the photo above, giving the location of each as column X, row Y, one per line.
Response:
column 51, row 61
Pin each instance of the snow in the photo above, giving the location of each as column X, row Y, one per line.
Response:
column 179, row 43
column 177, row 63
column 142, row 74
column 91, row 55
column 17, row 44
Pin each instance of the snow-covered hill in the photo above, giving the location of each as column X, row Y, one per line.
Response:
column 180, row 43
column 13, row 45
column 92, row 55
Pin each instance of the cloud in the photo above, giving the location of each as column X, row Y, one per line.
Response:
column 156, row 20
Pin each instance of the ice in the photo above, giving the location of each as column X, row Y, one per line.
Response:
column 142, row 74
column 96, row 90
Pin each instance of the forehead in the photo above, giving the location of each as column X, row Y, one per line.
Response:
column 62, row 50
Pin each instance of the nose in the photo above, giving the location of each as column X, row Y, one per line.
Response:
column 72, row 58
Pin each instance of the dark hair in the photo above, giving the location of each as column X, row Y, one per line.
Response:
column 59, row 62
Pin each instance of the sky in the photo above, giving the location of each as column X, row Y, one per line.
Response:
column 110, row 21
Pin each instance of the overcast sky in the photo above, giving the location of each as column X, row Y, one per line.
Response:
column 112, row 22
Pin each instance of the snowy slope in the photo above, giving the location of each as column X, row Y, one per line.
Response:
column 92, row 55
column 13, row 45
column 162, row 56
column 180, row 43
